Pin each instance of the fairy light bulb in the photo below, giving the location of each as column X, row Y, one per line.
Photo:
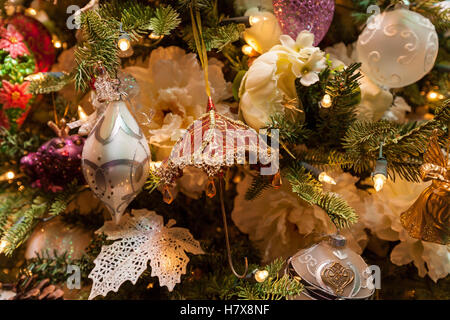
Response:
column 10, row 175
column 324, row 177
column 255, row 19
column 261, row 275
column 434, row 96
column 31, row 11
column 3, row 245
column 81, row 114
column 326, row 101
column 247, row 50
column 155, row 36
column 378, row 181
column 379, row 175
column 124, row 42
column 35, row 77
column 57, row 44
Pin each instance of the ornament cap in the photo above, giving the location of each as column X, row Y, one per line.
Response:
column 210, row 105
column 337, row 241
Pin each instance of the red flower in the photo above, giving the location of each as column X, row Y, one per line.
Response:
column 22, row 118
column 12, row 41
column 4, row 122
column 14, row 95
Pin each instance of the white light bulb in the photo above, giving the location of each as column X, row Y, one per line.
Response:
column 255, row 19
column 326, row 101
column 31, row 11
column 261, row 275
column 124, row 44
column 35, row 77
column 3, row 245
column 81, row 114
column 247, row 50
column 324, row 177
column 10, row 175
column 155, row 36
column 378, row 181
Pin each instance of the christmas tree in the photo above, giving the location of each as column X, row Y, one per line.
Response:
column 206, row 149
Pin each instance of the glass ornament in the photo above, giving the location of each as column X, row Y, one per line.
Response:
column 397, row 48
column 115, row 159
column 330, row 270
column 295, row 16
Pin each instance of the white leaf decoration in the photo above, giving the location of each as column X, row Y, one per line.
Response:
column 141, row 237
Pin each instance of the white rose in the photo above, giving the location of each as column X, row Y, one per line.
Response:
column 270, row 80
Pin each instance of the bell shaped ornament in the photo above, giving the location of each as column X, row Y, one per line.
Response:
column 115, row 158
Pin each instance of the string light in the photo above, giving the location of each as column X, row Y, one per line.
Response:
column 378, row 181
column 10, row 175
column 124, row 42
column 261, row 275
column 81, row 114
column 35, row 77
column 31, row 11
column 248, row 50
column 3, row 245
column 326, row 101
column 155, row 36
column 324, row 177
column 255, row 19
column 57, row 44
column 379, row 175
column 434, row 96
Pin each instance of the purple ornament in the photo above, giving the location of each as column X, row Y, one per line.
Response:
column 295, row 16
column 55, row 164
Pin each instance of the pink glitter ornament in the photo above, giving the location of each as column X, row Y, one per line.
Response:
column 295, row 16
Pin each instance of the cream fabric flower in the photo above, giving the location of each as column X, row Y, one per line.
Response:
column 270, row 80
column 382, row 217
column 280, row 224
column 265, row 33
column 172, row 86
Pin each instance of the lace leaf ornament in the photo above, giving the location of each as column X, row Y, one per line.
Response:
column 140, row 238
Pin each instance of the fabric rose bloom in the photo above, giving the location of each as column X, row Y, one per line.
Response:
column 172, row 86
column 14, row 95
column 263, row 34
column 270, row 80
column 382, row 217
column 12, row 41
column 280, row 223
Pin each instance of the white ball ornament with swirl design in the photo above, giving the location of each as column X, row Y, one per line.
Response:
column 397, row 48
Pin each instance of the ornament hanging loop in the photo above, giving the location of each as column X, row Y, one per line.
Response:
column 227, row 238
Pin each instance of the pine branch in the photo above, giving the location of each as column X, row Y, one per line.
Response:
column 51, row 82
column 14, row 145
column 310, row 190
column 259, row 184
column 153, row 182
column 8, row 206
column 290, row 131
column 101, row 29
column 276, row 287
column 436, row 14
column 165, row 19
column 23, row 226
column 328, row 126
column 403, row 144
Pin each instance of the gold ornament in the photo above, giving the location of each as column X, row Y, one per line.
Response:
column 337, row 276
column 428, row 218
